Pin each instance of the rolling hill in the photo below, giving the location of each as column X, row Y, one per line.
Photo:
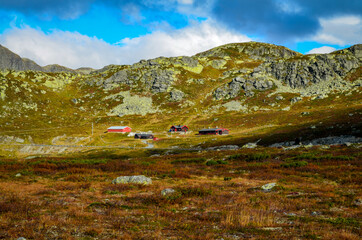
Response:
column 257, row 90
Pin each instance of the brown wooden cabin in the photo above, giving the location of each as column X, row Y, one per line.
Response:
column 214, row 131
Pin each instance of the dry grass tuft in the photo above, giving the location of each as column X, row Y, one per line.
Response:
column 248, row 217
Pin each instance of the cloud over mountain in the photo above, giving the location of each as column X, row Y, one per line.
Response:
column 75, row 50
column 282, row 19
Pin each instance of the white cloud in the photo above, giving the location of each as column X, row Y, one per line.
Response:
column 187, row 41
column 288, row 6
column 69, row 49
column 324, row 49
column 74, row 50
column 340, row 30
column 185, row 1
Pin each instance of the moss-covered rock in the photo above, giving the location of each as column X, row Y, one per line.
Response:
column 133, row 105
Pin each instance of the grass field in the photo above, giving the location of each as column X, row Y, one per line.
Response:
column 217, row 195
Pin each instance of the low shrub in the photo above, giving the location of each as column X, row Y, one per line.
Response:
column 312, row 156
column 189, row 161
column 194, row 191
column 121, row 188
column 217, row 162
column 257, row 157
column 250, row 157
column 294, row 164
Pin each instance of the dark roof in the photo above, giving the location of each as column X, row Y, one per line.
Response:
column 179, row 126
column 212, row 129
column 144, row 134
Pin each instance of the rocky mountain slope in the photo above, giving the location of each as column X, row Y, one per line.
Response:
column 12, row 61
column 225, row 86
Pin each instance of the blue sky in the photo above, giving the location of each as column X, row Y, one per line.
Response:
column 96, row 33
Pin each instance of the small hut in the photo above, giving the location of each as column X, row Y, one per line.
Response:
column 144, row 136
column 214, row 131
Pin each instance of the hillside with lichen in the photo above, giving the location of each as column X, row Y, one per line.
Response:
column 246, row 87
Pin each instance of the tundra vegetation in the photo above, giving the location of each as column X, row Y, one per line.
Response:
column 317, row 195
column 290, row 169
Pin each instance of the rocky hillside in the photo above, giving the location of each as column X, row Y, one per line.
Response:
column 12, row 61
column 217, row 87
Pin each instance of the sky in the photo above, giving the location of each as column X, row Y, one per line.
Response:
column 96, row 33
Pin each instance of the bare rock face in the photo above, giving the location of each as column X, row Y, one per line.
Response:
column 238, row 84
column 120, row 77
column 158, row 80
column 10, row 60
column 254, row 50
column 293, row 70
column 300, row 72
column 268, row 52
column 176, row 95
column 57, row 68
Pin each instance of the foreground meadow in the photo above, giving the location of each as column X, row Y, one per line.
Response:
column 217, row 195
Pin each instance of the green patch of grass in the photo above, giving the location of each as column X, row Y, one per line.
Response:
column 106, row 154
column 112, row 192
column 250, row 157
column 11, row 162
column 344, row 222
column 294, row 164
column 258, row 164
column 338, row 222
column 314, row 157
column 84, row 161
column 194, row 191
column 215, row 162
column 189, row 161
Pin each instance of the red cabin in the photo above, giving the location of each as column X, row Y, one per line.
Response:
column 179, row 128
column 119, row 129
column 214, row 131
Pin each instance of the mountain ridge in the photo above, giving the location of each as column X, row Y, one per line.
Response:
column 224, row 86
column 12, row 61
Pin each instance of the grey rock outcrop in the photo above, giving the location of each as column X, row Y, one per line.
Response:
column 121, row 77
column 167, row 191
column 139, row 179
column 292, row 69
column 300, row 72
column 255, row 50
column 295, row 99
column 267, row 52
column 332, row 140
column 187, row 61
column 268, row 187
column 158, row 80
column 176, row 95
column 57, row 68
column 238, row 84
